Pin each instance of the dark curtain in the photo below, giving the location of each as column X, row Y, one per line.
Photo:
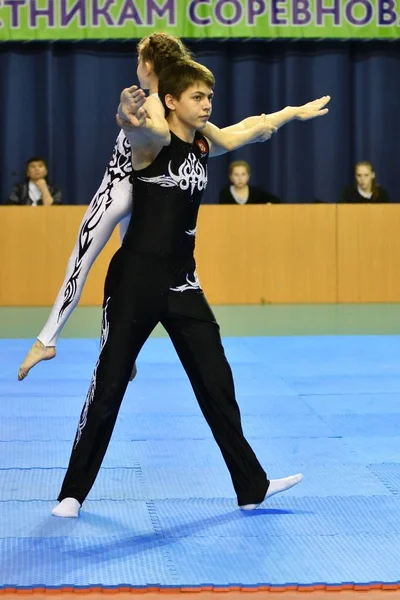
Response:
column 59, row 100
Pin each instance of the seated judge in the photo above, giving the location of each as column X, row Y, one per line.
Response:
column 365, row 189
column 35, row 190
column 240, row 192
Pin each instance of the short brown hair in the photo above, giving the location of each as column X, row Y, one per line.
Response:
column 179, row 76
column 162, row 49
column 239, row 163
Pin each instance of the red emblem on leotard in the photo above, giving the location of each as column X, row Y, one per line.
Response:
column 202, row 145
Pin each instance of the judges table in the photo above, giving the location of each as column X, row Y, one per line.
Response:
column 245, row 254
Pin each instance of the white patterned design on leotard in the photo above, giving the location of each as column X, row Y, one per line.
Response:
column 105, row 327
column 189, row 285
column 191, row 232
column 190, row 174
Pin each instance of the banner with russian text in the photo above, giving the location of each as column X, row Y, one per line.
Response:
column 27, row 20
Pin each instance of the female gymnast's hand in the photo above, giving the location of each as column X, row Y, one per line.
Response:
column 312, row 109
column 130, row 110
column 266, row 129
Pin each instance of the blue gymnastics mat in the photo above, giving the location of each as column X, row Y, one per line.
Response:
column 163, row 511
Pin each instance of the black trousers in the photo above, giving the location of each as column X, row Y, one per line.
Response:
column 137, row 297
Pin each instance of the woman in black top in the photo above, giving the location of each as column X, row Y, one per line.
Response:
column 240, row 192
column 365, row 190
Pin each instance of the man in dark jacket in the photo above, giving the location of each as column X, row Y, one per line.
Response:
column 35, row 190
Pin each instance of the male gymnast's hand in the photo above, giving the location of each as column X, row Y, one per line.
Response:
column 313, row 109
column 130, row 111
column 266, row 129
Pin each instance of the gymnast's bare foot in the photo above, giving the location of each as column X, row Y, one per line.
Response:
column 36, row 354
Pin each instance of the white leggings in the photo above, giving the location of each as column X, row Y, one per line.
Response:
column 112, row 204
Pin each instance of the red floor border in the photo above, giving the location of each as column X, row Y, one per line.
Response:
column 199, row 589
